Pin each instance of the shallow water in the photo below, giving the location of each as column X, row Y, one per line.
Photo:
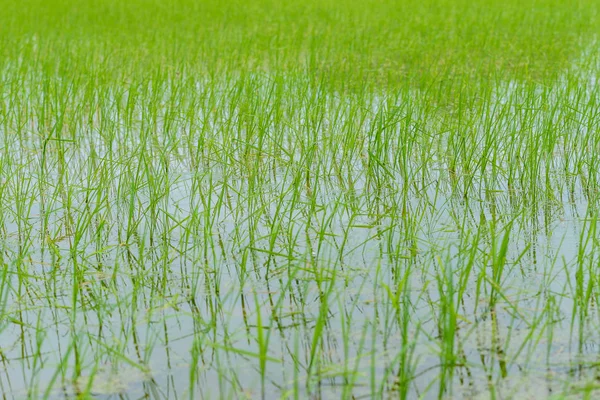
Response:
column 255, row 275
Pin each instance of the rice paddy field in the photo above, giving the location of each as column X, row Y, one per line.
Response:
column 319, row 199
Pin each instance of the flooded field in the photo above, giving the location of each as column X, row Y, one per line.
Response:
column 286, row 203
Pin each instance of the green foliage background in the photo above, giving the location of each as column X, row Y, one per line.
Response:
column 349, row 43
